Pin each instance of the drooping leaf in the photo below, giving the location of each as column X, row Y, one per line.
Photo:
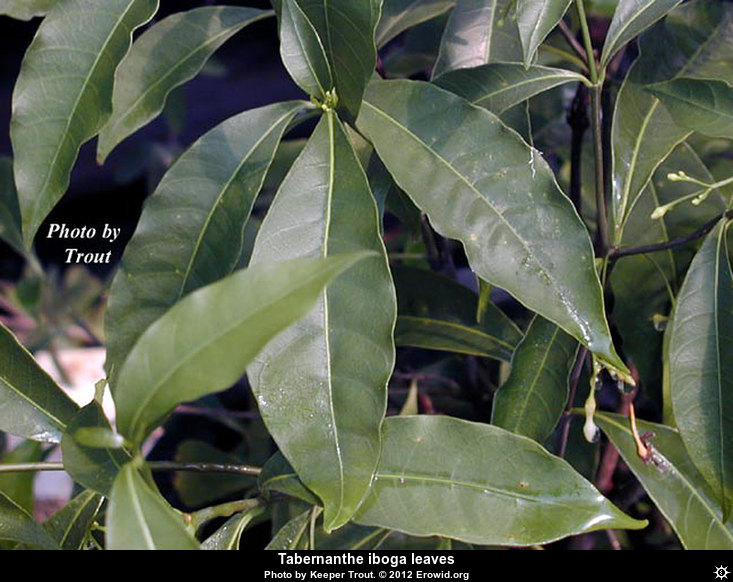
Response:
column 631, row 18
column 165, row 56
column 138, row 518
column 701, row 367
column 500, row 86
column 63, row 95
column 203, row 344
column 532, row 399
column 227, row 537
column 400, row 15
column 293, row 535
column 278, row 475
column 17, row 526
column 25, row 9
column 478, row 182
column 698, row 105
column 536, row 19
column 10, row 221
column 19, row 486
column 329, row 44
column 673, row 483
column 690, row 42
column 93, row 467
column 191, row 230
column 321, row 385
column 482, row 484
column 435, row 312
column 32, row 405
column 70, row 525
column 479, row 32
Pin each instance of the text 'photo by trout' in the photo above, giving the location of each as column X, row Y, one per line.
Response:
column 371, row 279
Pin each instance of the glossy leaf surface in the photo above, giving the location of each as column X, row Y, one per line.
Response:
column 17, row 526
column 500, row 86
column 701, row 367
column 478, row 182
column 279, row 475
column 191, row 230
column 138, row 518
column 32, row 405
column 329, row 44
column 673, row 482
column 165, row 56
column 293, row 535
column 536, row 19
column 478, row 32
column 532, row 399
column 400, row 15
column 227, row 537
column 321, row 385
column 204, row 343
column 482, row 484
column 63, row 95
column 437, row 313
column 70, row 525
column 698, row 105
column 631, row 18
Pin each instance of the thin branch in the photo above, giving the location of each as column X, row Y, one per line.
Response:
column 617, row 253
column 154, row 466
column 572, row 389
column 572, row 41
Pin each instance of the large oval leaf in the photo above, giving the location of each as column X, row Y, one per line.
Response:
column 17, row 526
column 321, row 385
column 63, row 95
column 191, row 230
column 328, row 45
column 482, row 484
column 399, row 15
column 138, row 518
column 536, row 19
column 701, row 367
column 437, row 313
column 478, row 32
column 631, row 18
column 673, row 482
column 698, row 105
column 690, row 42
column 165, row 56
column 204, row 343
column 32, row 405
column 500, row 86
column 532, row 399
column 478, row 182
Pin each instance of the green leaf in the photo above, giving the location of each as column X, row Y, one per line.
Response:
column 138, row 518
column 400, row 15
column 536, row 19
column 321, row 385
column 688, row 43
column 500, row 86
column 631, row 18
column 93, row 467
column 278, row 475
column 25, row 9
column 701, row 368
column 673, row 483
column 17, row 526
column 478, row 182
column 329, row 45
column 203, row 344
column 482, row 484
column 19, row 486
column 63, row 95
column 532, row 399
column 478, row 32
column 698, row 105
column 191, row 230
column 293, row 535
column 31, row 404
column 165, row 56
column 227, row 537
column 70, row 525
column 437, row 313
column 10, row 221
